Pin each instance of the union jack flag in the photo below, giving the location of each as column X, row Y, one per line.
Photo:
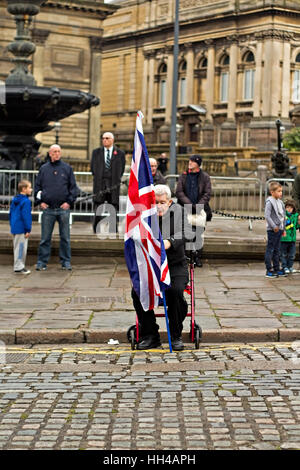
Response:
column 144, row 248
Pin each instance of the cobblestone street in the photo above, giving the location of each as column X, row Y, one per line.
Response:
column 233, row 396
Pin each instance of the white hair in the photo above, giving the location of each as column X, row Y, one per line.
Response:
column 108, row 134
column 55, row 146
column 161, row 189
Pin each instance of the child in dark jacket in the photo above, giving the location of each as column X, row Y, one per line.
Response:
column 20, row 220
column 288, row 242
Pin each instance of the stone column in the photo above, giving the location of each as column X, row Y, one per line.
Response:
column 132, row 80
column 39, row 37
column 210, row 81
column 95, row 88
column 170, row 65
column 150, row 89
column 145, row 83
column 232, row 82
column 286, row 73
column 257, row 80
column 271, row 77
column 190, row 74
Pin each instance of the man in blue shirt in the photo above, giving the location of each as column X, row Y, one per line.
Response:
column 55, row 192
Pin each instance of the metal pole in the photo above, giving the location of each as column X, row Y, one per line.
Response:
column 174, row 97
column 278, row 125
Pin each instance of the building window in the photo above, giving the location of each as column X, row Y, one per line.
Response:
column 162, row 94
column 162, row 85
column 296, row 86
column 296, row 81
column 201, row 73
column 249, row 84
column 224, row 87
column 224, row 78
column 182, row 83
column 182, row 91
column 249, row 75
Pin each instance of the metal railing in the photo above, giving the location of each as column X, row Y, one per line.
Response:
column 245, row 196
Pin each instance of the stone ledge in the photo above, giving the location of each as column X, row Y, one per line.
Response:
column 69, row 336
column 289, row 334
column 8, row 336
column 44, row 336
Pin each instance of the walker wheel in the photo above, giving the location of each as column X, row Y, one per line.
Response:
column 197, row 335
column 131, row 335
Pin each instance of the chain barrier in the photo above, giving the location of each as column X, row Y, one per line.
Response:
column 235, row 216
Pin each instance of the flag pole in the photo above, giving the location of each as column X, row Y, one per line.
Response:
column 167, row 321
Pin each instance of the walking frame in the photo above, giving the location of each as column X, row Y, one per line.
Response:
column 195, row 329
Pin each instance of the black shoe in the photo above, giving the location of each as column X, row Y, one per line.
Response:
column 198, row 262
column 149, row 342
column 40, row 267
column 66, row 267
column 177, row 344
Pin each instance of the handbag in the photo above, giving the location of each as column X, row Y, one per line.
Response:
column 198, row 220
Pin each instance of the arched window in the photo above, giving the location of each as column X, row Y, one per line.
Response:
column 249, row 75
column 296, row 80
column 224, row 78
column 202, row 63
column 201, row 74
column 182, row 82
column 162, row 72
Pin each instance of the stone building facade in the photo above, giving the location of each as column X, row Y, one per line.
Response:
column 239, row 70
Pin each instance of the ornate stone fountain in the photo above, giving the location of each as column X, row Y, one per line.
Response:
column 28, row 109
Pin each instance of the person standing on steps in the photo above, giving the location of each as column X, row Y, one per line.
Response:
column 107, row 167
column 55, row 192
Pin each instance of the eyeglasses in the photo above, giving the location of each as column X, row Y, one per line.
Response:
column 106, row 138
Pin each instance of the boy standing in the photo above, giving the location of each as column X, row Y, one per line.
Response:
column 20, row 220
column 288, row 242
column 275, row 219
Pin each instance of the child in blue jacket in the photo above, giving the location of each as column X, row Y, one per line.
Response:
column 20, row 220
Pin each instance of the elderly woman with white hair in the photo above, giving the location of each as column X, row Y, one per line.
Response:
column 175, row 232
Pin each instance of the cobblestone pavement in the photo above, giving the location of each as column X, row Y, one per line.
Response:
column 233, row 396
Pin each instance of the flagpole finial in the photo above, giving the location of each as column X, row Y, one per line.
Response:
column 140, row 114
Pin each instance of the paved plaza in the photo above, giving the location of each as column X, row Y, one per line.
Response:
column 234, row 396
column 234, row 302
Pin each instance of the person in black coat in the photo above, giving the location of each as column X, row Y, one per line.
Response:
column 107, row 167
column 194, row 188
column 157, row 176
column 176, row 233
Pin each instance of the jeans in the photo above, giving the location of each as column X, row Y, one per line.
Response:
column 287, row 254
column 272, row 254
column 49, row 217
column 20, row 251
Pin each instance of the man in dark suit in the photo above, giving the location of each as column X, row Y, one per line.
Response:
column 107, row 167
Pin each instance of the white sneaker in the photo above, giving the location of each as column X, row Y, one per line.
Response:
column 293, row 271
column 23, row 271
column 286, row 270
